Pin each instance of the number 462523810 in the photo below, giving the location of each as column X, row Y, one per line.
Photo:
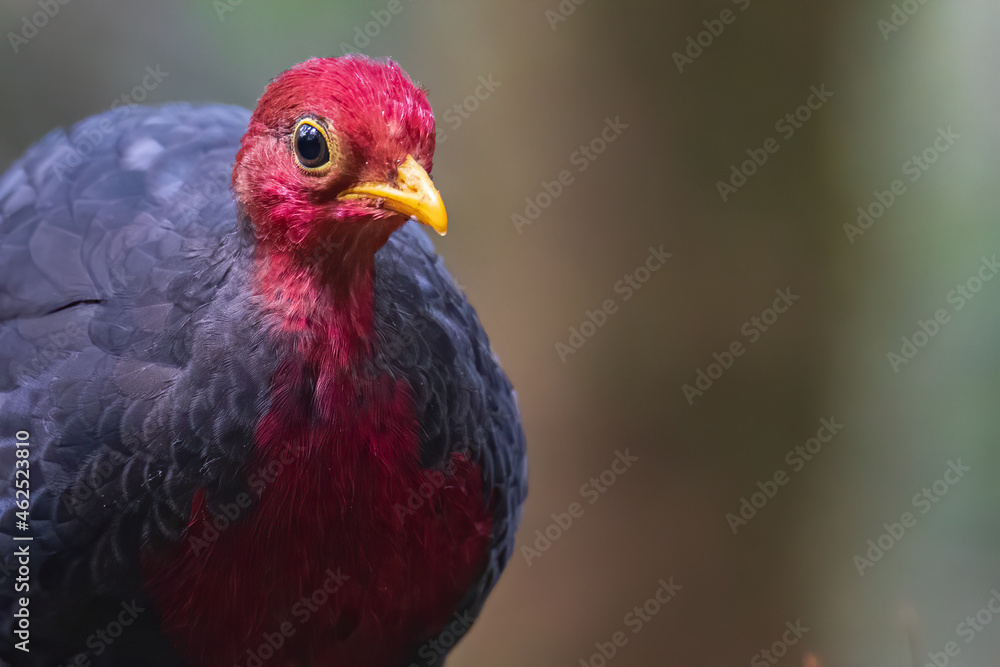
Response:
column 21, row 479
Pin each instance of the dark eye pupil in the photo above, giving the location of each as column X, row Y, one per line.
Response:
column 310, row 145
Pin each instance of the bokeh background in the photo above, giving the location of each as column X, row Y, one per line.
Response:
column 559, row 71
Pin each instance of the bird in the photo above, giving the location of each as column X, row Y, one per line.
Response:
column 247, row 417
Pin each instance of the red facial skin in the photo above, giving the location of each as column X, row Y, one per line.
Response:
column 335, row 465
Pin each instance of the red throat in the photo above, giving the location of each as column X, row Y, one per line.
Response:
column 323, row 297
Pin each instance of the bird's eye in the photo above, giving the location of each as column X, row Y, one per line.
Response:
column 312, row 148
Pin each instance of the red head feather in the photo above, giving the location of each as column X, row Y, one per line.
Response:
column 375, row 118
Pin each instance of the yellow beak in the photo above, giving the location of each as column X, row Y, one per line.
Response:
column 414, row 195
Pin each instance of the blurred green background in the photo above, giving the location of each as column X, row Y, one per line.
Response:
column 556, row 78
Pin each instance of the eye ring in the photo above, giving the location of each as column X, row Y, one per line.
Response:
column 311, row 145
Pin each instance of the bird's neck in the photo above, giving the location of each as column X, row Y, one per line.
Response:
column 324, row 299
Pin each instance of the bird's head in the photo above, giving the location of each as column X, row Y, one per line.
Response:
column 338, row 151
